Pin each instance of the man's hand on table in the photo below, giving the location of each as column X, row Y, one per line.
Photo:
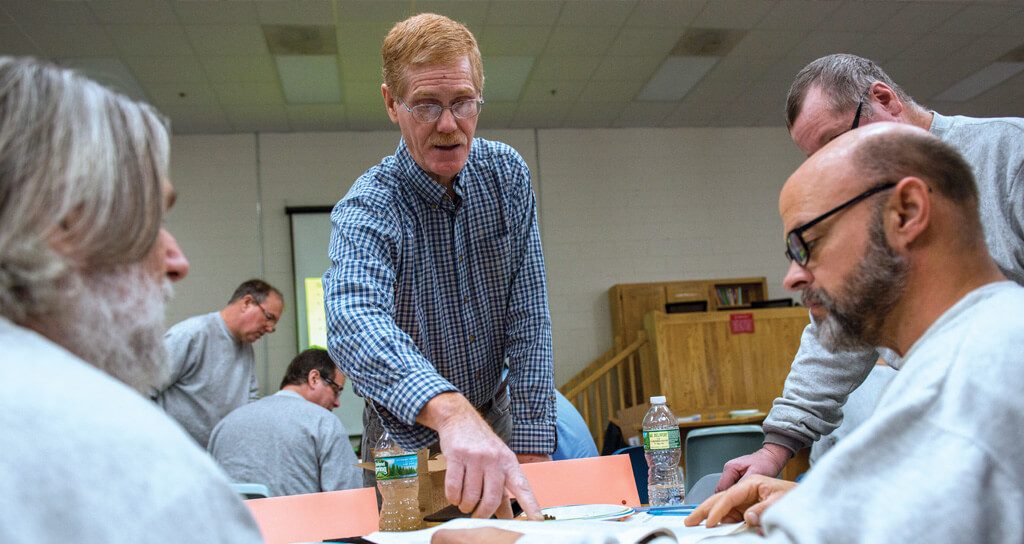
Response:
column 767, row 461
column 483, row 535
column 745, row 501
column 482, row 471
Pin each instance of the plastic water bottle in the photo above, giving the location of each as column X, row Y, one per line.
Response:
column 662, row 449
column 395, row 469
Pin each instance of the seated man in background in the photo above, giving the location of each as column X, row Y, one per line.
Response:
column 291, row 441
column 888, row 250
column 213, row 368
column 85, row 268
column 574, row 439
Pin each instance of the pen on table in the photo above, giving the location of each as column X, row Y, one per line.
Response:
column 668, row 510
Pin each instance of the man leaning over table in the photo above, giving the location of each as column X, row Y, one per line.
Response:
column 833, row 95
column 887, row 248
column 437, row 277
column 85, row 269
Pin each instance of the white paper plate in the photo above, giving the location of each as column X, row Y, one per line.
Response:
column 587, row 512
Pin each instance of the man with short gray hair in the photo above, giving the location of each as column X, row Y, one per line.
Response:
column 833, row 95
column 213, row 367
column 85, row 268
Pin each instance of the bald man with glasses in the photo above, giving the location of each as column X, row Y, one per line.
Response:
column 829, row 97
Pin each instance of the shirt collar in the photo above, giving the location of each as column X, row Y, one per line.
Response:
column 287, row 393
column 430, row 191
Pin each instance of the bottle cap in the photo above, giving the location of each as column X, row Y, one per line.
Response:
column 658, row 400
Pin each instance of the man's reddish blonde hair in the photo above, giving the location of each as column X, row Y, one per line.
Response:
column 428, row 39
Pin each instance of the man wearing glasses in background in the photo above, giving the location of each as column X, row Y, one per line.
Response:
column 437, row 278
column 291, row 441
column 829, row 97
column 212, row 365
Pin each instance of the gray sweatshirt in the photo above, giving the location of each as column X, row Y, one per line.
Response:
column 211, row 374
column 288, row 444
column 819, row 381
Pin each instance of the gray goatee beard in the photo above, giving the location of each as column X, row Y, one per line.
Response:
column 115, row 322
column 855, row 317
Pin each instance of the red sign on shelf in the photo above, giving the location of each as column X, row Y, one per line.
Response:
column 741, row 323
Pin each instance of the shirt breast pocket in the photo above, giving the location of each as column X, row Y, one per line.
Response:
column 496, row 260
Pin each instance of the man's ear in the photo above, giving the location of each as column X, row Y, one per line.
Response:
column 910, row 211
column 389, row 102
column 314, row 373
column 886, row 98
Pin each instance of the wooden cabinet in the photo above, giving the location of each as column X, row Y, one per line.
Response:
column 630, row 302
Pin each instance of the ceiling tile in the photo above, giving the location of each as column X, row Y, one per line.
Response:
column 239, row 69
column 937, row 47
column 363, row 93
column 305, row 12
column 732, row 14
column 71, row 40
column 590, row 13
column 14, row 42
column 990, row 47
column 132, row 11
column 309, row 79
column 560, row 90
column 361, row 40
column 581, row 41
column 727, row 79
column 205, row 12
column 644, row 114
column 884, row 46
column 1010, row 26
column 513, row 40
column 538, row 115
column 611, row 91
column 858, row 17
column 471, row 13
column 110, row 72
column 595, row 114
column 264, row 118
column 244, row 40
column 166, row 69
column 665, row 13
column 150, row 40
column 197, row 120
column 636, row 41
column 767, row 44
column 250, row 94
column 48, row 12
column 522, row 12
column 826, row 42
column 694, row 113
column 373, row 11
column 979, row 18
column 506, row 76
column 559, row 67
column 316, row 117
column 5, row 19
column 919, row 17
column 174, row 95
column 797, row 14
column 627, row 68
column 364, row 119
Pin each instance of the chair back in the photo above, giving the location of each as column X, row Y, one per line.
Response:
column 703, row 488
column 313, row 517
column 593, row 480
column 638, row 461
column 250, row 491
column 708, row 449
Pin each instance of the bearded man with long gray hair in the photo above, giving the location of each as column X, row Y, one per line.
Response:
column 85, row 268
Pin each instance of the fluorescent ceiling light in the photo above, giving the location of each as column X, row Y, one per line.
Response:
column 109, row 72
column 675, row 78
column 309, row 79
column 981, row 81
column 506, row 77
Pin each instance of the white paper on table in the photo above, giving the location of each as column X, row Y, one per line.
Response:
column 626, row 532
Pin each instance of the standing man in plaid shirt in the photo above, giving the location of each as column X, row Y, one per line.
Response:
column 437, row 278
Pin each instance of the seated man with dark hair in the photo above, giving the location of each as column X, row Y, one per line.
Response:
column 290, row 441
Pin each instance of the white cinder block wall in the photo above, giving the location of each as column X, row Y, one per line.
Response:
column 616, row 206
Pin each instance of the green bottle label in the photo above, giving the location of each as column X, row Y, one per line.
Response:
column 396, row 467
column 661, row 440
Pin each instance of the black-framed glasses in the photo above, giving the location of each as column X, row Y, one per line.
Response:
column 856, row 118
column 270, row 317
column 796, row 247
column 428, row 113
column 333, row 385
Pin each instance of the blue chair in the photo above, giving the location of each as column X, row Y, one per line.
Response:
column 639, row 464
column 708, row 449
column 251, row 491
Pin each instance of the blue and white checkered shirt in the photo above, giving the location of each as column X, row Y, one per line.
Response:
column 427, row 295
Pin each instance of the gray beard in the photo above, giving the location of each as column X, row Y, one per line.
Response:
column 115, row 322
column 855, row 316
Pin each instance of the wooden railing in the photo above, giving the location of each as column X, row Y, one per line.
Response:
column 609, row 384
